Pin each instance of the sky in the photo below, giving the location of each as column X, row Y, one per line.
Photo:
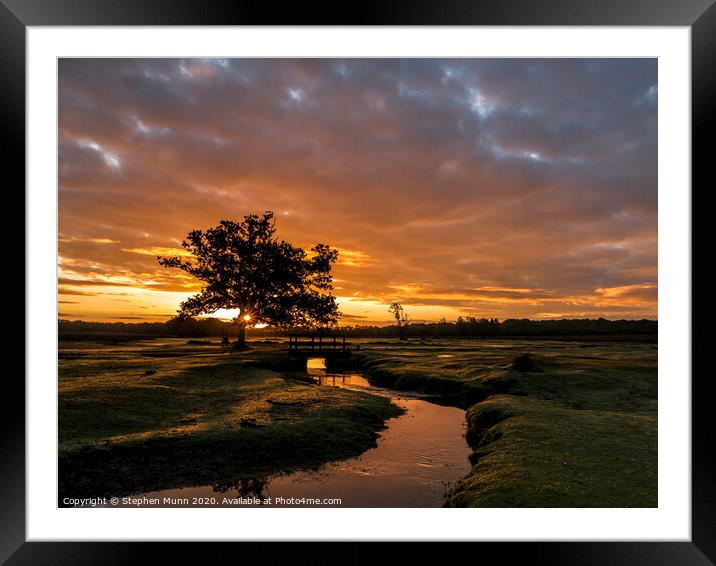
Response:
column 507, row 188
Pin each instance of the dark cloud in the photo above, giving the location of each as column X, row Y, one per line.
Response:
column 457, row 174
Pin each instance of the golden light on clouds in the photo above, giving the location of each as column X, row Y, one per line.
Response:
column 353, row 258
column 91, row 240
column 158, row 250
column 456, row 187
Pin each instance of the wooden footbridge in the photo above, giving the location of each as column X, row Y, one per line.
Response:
column 315, row 344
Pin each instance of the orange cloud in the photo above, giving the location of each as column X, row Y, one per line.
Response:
column 463, row 186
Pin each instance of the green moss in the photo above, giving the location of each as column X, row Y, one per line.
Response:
column 582, row 431
column 579, row 431
column 542, row 454
column 202, row 418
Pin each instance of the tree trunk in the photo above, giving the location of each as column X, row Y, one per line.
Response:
column 240, row 343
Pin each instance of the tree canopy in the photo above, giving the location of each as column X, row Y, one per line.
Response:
column 242, row 265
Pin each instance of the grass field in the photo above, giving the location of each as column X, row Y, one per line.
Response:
column 152, row 415
column 574, row 424
column 551, row 423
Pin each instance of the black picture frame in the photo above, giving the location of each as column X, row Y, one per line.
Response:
column 699, row 15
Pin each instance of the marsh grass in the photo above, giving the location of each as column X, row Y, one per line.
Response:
column 202, row 418
column 573, row 426
column 579, row 431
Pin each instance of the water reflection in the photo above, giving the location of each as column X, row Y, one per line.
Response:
column 416, row 459
column 245, row 487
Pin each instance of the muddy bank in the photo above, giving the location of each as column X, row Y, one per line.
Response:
column 130, row 426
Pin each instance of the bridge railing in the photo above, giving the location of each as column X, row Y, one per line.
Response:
column 317, row 343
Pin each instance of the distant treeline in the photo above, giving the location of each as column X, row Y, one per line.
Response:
column 463, row 327
column 188, row 328
column 485, row 327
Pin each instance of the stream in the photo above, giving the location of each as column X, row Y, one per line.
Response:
column 417, row 458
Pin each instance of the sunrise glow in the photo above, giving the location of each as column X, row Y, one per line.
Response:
column 488, row 188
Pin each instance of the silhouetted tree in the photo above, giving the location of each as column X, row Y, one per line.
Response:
column 401, row 319
column 244, row 266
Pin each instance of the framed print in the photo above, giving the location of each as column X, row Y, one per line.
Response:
column 423, row 276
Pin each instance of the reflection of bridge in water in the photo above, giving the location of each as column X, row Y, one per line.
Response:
column 338, row 374
column 332, row 379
